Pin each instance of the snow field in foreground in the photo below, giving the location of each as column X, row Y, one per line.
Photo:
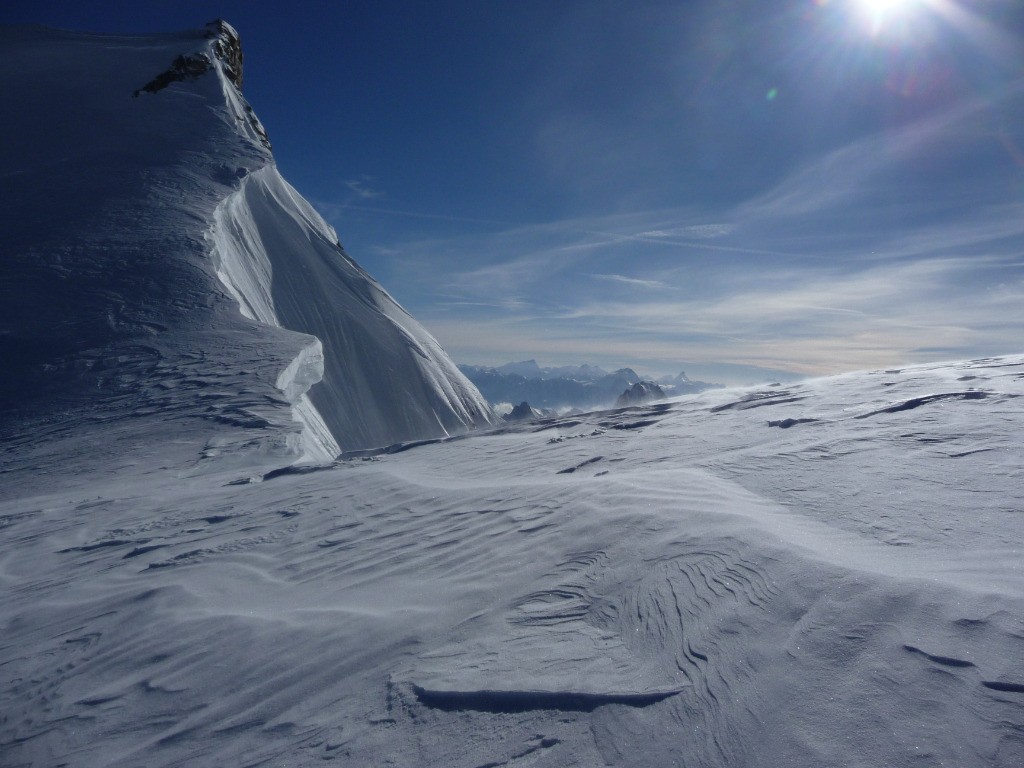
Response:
column 826, row 573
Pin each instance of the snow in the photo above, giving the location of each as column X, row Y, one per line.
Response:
column 822, row 573
column 314, row 442
column 385, row 378
column 702, row 588
column 152, row 230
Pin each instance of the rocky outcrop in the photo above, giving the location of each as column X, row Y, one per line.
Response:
column 640, row 393
column 523, row 412
column 181, row 69
column 227, row 48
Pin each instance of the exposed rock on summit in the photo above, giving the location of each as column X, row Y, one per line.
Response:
column 228, row 48
column 181, row 69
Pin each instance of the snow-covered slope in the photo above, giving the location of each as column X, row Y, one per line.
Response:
column 155, row 261
column 385, row 378
column 819, row 574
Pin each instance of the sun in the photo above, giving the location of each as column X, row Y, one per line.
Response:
column 879, row 13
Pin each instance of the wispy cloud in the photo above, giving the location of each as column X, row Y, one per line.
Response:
column 632, row 281
column 336, row 210
column 956, row 285
column 507, row 304
column 690, row 231
column 808, row 322
column 360, row 189
column 881, row 164
column 867, row 256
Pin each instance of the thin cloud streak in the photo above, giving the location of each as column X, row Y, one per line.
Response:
column 818, row 324
column 690, row 231
column 631, row 281
column 334, row 210
column 360, row 188
column 847, row 173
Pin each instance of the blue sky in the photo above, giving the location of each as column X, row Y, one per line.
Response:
column 810, row 186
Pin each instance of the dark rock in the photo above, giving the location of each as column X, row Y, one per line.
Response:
column 640, row 393
column 181, row 69
column 228, row 49
column 523, row 412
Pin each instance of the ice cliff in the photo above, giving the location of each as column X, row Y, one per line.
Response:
column 157, row 263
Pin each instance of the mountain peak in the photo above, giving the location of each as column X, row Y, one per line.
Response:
column 528, row 369
column 641, row 392
column 228, row 48
column 165, row 266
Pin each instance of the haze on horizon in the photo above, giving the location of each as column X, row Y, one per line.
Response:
column 817, row 186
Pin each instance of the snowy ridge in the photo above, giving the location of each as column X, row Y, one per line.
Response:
column 145, row 274
column 271, row 247
column 245, row 271
column 115, row 312
column 386, row 379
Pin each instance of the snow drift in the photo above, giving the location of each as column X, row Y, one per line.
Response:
column 156, row 260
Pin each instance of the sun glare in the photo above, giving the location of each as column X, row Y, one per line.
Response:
column 879, row 13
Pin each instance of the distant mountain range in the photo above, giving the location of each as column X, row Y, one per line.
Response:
column 579, row 386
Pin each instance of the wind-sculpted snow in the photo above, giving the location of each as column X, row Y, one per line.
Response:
column 386, row 380
column 703, row 589
column 822, row 574
column 314, row 440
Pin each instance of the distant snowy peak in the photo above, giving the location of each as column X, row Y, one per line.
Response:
column 158, row 266
column 529, row 369
column 628, row 374
column 585, row 372
column 584, row 386
column 681, row 378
